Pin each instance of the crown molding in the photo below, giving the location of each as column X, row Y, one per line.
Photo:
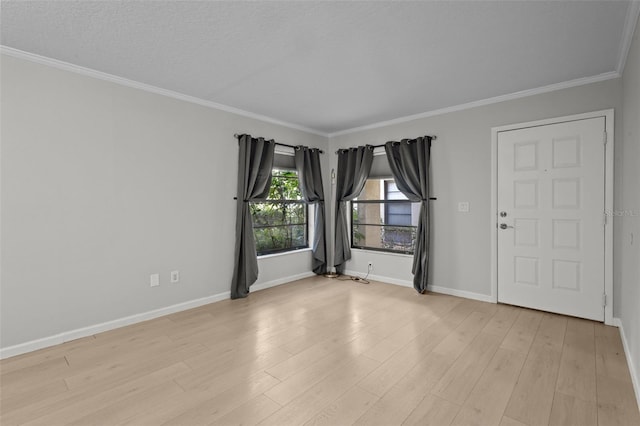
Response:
column 627, row 33
column 502, row 98
column 66, row 66
column 629, row 27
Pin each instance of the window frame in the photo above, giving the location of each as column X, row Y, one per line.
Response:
column 286, row 201
column 408, row 202
column 379, row 202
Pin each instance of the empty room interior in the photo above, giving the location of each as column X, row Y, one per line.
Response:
column 320, row 213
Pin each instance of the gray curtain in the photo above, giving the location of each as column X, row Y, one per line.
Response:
column 354, row 165
column 254, row 179
column 310, row 177
column 409, row 163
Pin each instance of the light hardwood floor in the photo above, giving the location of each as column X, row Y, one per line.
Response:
column 329, row 352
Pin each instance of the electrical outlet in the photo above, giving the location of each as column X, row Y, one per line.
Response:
column 370, row 266
column 463, row 207
column 175, row 276
column 154, row 280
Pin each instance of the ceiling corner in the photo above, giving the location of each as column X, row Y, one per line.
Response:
column 627, row 33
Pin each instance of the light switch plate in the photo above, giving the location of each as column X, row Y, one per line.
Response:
column 463, row 207
column 154, row 280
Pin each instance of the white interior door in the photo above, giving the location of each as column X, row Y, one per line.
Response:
column 551, row 200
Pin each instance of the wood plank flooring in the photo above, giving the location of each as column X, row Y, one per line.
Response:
column 329, row 352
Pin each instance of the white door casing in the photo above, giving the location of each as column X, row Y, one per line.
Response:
column 550, row 195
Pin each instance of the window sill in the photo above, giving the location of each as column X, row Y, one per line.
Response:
column 284, row 253
column 386, row 253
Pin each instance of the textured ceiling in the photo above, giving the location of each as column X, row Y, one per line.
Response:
column 328, row 66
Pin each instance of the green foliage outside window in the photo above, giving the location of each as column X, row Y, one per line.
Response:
column 280, row 223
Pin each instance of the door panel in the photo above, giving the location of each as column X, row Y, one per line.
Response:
column 551, row 183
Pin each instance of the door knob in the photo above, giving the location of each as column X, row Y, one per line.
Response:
column 505, row 226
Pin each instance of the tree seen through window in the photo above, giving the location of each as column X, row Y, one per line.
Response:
column 280, row 222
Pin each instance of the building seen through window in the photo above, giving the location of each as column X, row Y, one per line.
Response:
column 383, row 218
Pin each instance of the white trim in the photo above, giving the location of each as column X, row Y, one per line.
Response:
column 284, row 253
column 386, row 253
column 280, row 281
column 502, row 98
column 68, row 336
column 433, row 288
column 608, row 261
column 108, row 325
column 628, row 30
column 608, row 205
column 16, row 53
column 493, row 225
column 460, row 293
column 382, row 279
column 633, row 369
column 192, row 99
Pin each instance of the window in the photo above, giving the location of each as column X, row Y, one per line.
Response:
column 382, row 218
column 280, row 223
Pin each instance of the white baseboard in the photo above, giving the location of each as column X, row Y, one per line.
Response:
column 388, row 280
column 433, row 288
column 461, row 293
column 280, row 281
column 633, row 369
column 67, row 336
column 78, row 333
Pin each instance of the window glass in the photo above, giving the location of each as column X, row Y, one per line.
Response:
column 280, row 222
column 383, row 218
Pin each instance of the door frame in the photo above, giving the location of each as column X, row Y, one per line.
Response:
column 608, row 199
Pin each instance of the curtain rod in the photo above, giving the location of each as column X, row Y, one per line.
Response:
column 235, row 135
column 433, row 138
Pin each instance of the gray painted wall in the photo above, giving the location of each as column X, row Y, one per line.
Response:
column 627, row 247
column 461, row 171
column 461, row 165
column 103, row 185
